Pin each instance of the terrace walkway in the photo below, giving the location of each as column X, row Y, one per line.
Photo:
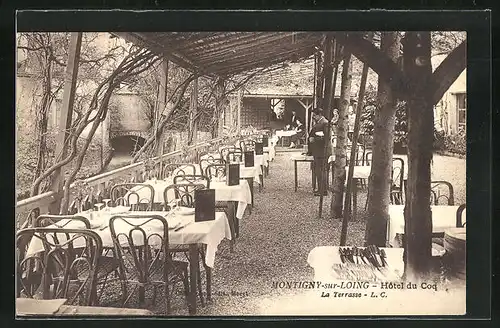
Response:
column 276, row 239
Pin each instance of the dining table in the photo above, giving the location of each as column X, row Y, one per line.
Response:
column 361, row 172
column 282, row 134
column 297, row 158
column 443, row 217
column 241, row 193
column 186, row 232
column 256, row 172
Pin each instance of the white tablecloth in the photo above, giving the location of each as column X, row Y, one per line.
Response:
column 300, row 157
column 285, row 133
column 245, row 172
column 363, row 172
column 238, row 193
column 443, row 217
column 210, row 233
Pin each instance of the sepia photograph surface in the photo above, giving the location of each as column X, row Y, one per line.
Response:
column 226, row 173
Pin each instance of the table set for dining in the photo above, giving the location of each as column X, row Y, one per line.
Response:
column 200, row 237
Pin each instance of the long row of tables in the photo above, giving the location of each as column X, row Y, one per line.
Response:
column 209, row 233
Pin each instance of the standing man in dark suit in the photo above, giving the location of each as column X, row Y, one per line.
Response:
column 317, row 137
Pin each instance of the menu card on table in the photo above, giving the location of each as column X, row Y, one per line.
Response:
column 249, row 159
column 232, row 174
column 204, row 209
column 259, row 148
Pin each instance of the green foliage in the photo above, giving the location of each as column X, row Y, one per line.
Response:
column 368, row 116
column 455, row 143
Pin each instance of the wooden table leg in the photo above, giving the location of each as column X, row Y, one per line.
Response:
column 236, row 220
column 193, row 277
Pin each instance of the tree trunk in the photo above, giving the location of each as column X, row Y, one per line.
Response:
column 418, row 218
column 327, row 110
column 379, row 181
column 340, row 149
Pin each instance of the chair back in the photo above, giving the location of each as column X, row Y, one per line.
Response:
column 183, row 192
column 141, row 247
column 215, row 171
column 247, row 145
column 359, row 155
column 442, row 193
column 192, row 178
column 139, row 196
column 235, row 156
column 59, row 263
column 460, row 220
column 224, row 151
column 207, row 161
column 172, row 169
column 61, row 221
column 368, row 158
column 397, row 173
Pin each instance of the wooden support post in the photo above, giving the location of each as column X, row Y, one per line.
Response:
column 193, row 111
column 162, row 102
column 219, row 107
column 238, row 113
column 418, row 218
column 66, row 117
column 350, row 184
column 315, row 82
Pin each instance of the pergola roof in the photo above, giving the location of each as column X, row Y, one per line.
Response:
column 227, row 53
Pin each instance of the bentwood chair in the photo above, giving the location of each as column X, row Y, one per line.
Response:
column 192, row 178
column 442, row 193
column 184, row 193
column 235, row 156
column 397, row 176
column 215, row 171
column 144, row 257
column 460, row 220
column 225, row 152
column 210, row 160
column 139, row 196
column 66, row 260
column 173, row 169
column 247, row 145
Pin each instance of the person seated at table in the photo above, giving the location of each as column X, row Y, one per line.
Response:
column 294, row 119
column 295, row 139
column 316, row 148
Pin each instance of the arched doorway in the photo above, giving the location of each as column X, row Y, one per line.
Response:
column 127, row 144
column 124, row 148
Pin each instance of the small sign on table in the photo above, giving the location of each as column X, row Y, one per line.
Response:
column 204, row 209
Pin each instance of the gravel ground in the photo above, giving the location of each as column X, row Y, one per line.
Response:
column 276, row 239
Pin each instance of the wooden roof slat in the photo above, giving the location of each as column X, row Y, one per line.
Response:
column 227, row 53
column 247, row 49
column 268, row 60
column 241, row 43
column 222, row 42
